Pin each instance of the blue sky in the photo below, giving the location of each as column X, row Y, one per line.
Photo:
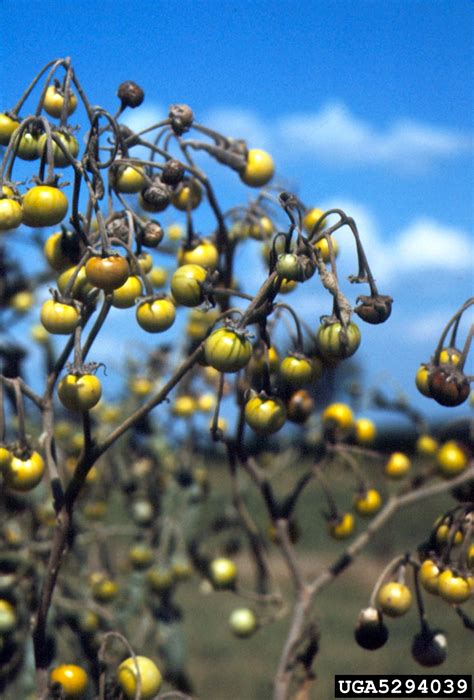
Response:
column 366, row 105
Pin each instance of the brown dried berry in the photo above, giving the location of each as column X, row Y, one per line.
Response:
column 181, row 118
column 118, row 227
column 173, row 172
column 374, row 309
column 300, row 406
column 156, row 197
column 130, row 94
column 448, row 386
column 152, row 234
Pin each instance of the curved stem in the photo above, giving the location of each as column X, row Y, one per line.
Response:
column 299, row 334
column 453, row 320
column 390, row 569
column 56, row 63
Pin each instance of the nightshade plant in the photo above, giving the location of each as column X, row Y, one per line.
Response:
column 68, row 457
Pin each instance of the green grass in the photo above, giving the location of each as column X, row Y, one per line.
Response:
column 223, row 667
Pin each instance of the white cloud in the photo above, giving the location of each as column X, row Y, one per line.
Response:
column 240, row 123
column 428, row 244
column 423, row 245
column 334, row 134
column 143, row 117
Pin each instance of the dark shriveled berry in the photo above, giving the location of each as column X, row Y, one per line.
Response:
column 173, row 172
column 300, row 406
column 374, row 309
column 130, row 94
column 152, row 234
column 181, row 117
column 156, row 197
column 448, row 386
column 118, row 227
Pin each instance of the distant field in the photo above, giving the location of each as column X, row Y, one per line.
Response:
column 224, row 668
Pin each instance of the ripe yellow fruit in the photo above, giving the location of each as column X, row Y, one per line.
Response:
column 443, row 534
column 451, row 459
column 338, row 414
column 426, row 445
column 144, row 668
column 104, row 590
column 140, row 386
column 158, row 276
column 8, row 618
column 21, row 302
column 398, row 465
column 223, row 572
column 175, row 232
column 72, row 679
column 323, row 247
column 452, row 588
column 429, row 575
column 243, row 622
column 5, row 457
column 259, row 168
column 184, row 406
column 368, row 503
column 365, row 431
column 206, row 402
column 24, row 474
column 394, row 599
column 311, row 217
column 342, row 528
column 421, row 381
